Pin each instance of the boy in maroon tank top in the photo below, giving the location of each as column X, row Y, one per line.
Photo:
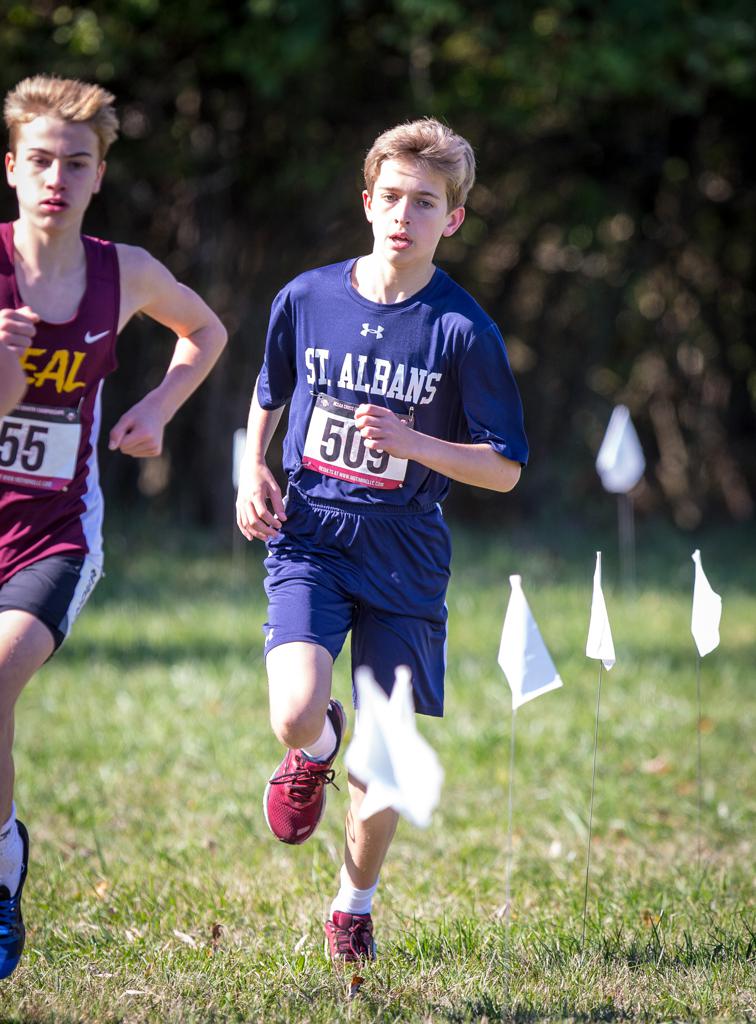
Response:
column 64, row 298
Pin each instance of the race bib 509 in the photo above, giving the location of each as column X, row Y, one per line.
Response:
column 335, row 447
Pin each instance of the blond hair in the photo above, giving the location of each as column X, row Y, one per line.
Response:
column 64, row 98
column 435, row 147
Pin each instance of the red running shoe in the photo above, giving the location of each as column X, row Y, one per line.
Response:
column 350, row 937
column 295, row 796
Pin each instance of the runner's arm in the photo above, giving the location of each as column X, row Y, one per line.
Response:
column 12, row 380
column 475, row 464
column 148, row 287
column 259, row 502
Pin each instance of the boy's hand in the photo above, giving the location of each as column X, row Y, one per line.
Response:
column 259, row 503
column 139, row 432
column 17, row 328
column 382, row 429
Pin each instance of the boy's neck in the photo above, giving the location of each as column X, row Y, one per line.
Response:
column 380, row 282
column 47, row 253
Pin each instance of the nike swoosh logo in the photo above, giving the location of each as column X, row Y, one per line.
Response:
column 90, row 338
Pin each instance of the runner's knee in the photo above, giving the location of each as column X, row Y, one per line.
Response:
column 297, row 726
column 299, row 677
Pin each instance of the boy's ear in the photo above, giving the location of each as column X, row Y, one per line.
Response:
column 10, row 163
column 98, row 179
column 454, row 221
column 367, row 203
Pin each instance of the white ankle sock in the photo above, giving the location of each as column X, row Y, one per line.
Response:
column 350, row 900
column 324, row 745
column 11, row 853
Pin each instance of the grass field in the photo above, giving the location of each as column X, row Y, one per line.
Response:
column 157, row 894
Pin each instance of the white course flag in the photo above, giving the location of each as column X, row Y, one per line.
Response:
column 707, row 610
column 237, row 454
column 620, row 461
column 523, row 657
column 388, row 755
column 600, row 644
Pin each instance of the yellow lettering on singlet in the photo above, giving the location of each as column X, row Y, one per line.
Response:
column 56, row 369
column 71, row 382
column 26, row 360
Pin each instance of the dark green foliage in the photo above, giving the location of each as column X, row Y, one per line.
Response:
column 610, row 233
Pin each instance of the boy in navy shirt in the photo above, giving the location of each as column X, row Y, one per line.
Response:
column 397, row 383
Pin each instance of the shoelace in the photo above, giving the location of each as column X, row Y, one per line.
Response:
column 8, row 916
column 304, row 781
column 357, row 939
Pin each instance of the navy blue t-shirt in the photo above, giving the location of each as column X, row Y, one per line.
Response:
column 436, row 358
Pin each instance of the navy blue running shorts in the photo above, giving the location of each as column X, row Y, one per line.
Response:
column 381, row 573
column 53, row 590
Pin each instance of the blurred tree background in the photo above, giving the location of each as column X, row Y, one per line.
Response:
column 610, row 233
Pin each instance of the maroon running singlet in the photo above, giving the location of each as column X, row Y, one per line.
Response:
column 50, row 497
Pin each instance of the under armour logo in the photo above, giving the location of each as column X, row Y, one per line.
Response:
column 367, row 329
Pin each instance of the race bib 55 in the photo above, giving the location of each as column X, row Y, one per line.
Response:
column 39, row 446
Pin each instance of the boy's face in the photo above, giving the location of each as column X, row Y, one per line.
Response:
column 55, row 170
column 408, row 211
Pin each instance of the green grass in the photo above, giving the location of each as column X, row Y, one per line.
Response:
column 157, row 894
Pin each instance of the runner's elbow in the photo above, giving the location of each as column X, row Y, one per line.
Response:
column 508, row 474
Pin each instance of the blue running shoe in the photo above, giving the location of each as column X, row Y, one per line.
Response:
column 12, row 931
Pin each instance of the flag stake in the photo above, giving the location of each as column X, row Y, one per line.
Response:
column 508, row 874
column 699, row 770
column 593, row 789
column 509, row 830
column 704, row 625
column 626, row 517
column 525, row 661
